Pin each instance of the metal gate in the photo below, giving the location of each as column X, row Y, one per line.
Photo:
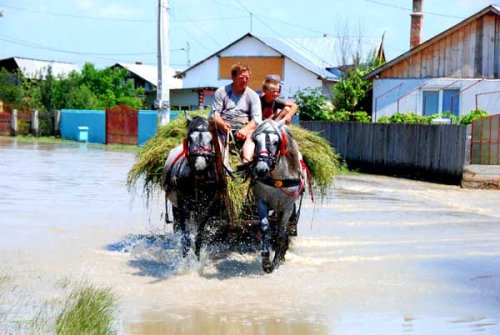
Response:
column 121, row 125
column 485, row 142
column 4, row 123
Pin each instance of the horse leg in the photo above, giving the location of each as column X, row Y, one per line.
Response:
column 176, row 213
column 282, row 238
column 263, row 211
column 200, row 234
column 185, row 239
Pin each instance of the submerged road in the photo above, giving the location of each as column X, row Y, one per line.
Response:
column 378, row 255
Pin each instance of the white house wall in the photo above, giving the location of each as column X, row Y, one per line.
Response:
column 185, row 98
column 295, row 77
column 405, row 95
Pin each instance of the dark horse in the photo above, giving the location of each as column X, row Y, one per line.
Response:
column 279, row 175
column 189, row 181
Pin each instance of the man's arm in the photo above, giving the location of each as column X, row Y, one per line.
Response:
column 288, row 112
column 215, row 113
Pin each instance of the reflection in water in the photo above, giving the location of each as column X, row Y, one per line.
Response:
column 379, row 256
column 230, row 323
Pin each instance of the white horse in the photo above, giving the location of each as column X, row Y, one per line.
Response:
column 189, row 181
column 279, row 178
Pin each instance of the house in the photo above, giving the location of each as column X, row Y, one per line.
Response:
column 146, row 76
column 456, row 71
column 33, row 68
column 299, row 65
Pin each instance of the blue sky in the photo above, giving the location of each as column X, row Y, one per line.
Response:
column 104, row 32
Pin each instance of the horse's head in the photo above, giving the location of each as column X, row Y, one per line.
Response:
column 199, row 146
column 270, row 144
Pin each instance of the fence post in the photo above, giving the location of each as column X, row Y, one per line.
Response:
column 35, row 123
column 13, row 123
column 468, row 144
column 56, row 114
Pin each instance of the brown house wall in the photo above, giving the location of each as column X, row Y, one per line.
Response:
column 473, row 51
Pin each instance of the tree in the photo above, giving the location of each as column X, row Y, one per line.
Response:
column 111, row 87
column 10, row 90
column 352, row 88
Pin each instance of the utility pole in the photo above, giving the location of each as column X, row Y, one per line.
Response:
column 188, row 47
column 162, row 89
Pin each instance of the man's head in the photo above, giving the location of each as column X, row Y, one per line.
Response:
column 240, row 74
column 271, row 90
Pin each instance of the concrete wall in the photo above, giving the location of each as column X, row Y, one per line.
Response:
column 95, row 120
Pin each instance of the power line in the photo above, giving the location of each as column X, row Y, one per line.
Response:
column 118, row 19
column 44, row 47
column 76, row 16
column 410, row 9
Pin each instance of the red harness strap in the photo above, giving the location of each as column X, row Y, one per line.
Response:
column 309, row 180
column 184, row 152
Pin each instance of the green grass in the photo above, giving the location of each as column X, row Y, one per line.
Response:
column 89, row 311
column 75, row 309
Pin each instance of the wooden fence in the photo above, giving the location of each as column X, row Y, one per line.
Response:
column 434, row 153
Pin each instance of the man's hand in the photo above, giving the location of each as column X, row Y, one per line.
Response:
column 225, row 126
column 241, row 134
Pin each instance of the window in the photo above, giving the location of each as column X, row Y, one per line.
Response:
column 450, row 101
column 440, row 101
column 431, row 102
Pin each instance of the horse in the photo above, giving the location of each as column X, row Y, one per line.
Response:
column 278, row 176
column 189, row 182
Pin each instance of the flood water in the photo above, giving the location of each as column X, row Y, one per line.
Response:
column 379, row 255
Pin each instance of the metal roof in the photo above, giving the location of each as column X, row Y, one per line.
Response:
column 32, row 68
column 150, row 73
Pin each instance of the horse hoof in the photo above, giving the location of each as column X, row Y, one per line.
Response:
column 267, row 265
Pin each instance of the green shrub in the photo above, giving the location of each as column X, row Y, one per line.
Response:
column 361, row 116
column 312, row 105
column 472, row 115
column 405, row 118
column 341, row 116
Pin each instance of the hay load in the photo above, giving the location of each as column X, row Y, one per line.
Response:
column 320, row 158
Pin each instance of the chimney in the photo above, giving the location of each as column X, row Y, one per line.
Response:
column 416, row 23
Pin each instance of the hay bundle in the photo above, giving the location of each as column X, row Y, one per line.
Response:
column 320, row 158
column 149, row 163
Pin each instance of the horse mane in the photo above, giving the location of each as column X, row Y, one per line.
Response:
column 197, row 122
column 292, row 150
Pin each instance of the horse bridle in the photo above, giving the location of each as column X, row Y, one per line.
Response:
column 264, row 155
column 199, row 150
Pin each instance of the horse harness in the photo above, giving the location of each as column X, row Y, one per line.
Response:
column 199, row 150
column 272, row 159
